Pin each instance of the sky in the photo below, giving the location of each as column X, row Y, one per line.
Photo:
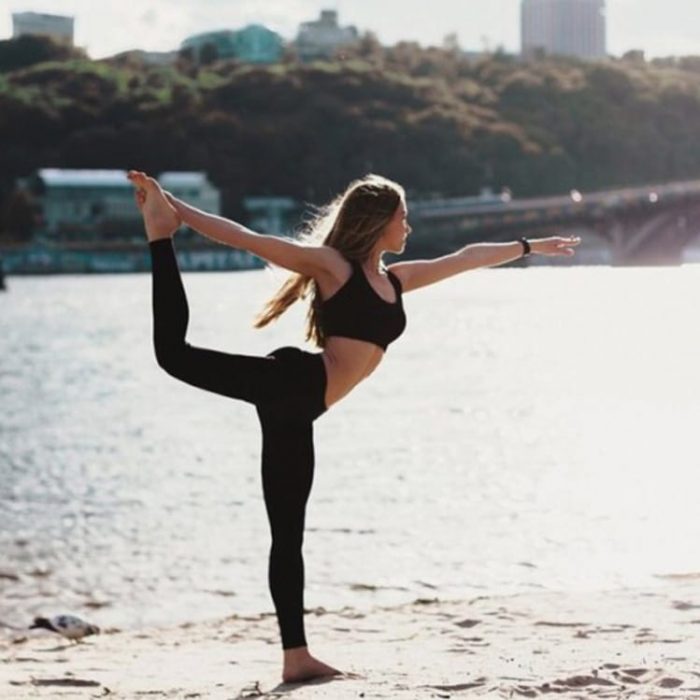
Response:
column 105, row 27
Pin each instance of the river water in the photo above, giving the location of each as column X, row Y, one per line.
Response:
column 532, row 429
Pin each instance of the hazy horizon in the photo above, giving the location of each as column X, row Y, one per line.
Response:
column 660, row 29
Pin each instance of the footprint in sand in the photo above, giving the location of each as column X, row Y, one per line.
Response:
column 458, row 686
column 544, row 623
column 475, row 641
column 650, row 639
column 630, row 677
column 636, row 672
column 467, row 623
column 65, row 683
column 577, row 682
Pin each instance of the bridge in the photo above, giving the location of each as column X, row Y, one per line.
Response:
column 639, row 225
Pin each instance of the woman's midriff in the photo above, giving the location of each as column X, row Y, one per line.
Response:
column 348, row 362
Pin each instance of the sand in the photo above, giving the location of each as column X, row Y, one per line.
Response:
column 616, row 644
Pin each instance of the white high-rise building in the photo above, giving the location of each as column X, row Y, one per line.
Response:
column 56, row 26
column 564, row 27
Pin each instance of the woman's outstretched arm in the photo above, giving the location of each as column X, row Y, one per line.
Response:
column 284, row 252
column 420, row 273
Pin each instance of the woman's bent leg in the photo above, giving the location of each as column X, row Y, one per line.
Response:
column 287, row 472
column 243, row 377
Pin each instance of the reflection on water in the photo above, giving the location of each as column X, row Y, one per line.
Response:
column 532, row 429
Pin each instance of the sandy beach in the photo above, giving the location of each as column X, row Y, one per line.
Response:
column 616, row 644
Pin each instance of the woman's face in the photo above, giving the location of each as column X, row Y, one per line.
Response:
column 397, row 230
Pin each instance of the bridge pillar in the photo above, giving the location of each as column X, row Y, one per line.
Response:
column 640, row 239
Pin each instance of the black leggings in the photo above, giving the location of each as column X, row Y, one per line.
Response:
column 288, row 390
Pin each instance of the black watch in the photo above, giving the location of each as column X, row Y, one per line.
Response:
column 527, row 249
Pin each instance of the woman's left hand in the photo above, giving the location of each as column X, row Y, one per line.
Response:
column 555, row 245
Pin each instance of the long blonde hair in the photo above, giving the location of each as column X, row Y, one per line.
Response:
column 352, row 224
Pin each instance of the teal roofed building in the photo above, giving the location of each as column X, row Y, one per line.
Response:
column 252, row 44
column 258, row 44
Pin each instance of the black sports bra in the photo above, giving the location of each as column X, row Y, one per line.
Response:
column 357, row 311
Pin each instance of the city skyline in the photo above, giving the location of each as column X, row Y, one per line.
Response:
column 660, row 29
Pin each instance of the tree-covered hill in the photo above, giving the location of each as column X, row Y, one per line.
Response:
column 430, row 118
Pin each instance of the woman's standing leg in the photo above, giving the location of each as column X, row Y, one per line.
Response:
column 287, row 475
column 287, row 472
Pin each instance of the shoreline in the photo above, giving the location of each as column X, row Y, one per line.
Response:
column 621, row 643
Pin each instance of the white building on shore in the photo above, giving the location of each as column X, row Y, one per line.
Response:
column 322, row 37
column 84, row 204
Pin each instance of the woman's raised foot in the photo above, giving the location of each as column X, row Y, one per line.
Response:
column 159, row 216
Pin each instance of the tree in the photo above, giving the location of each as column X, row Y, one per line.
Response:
column 208, row 54
column 30, row 49
column 18, row 217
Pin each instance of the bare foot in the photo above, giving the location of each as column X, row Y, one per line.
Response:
column 159, row 217
column 300, row 666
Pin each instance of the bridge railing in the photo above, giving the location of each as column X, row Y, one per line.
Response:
column 574, row 204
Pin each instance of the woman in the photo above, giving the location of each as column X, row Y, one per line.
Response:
column 356, row 311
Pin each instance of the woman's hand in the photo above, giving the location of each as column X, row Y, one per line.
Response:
column 554, row 245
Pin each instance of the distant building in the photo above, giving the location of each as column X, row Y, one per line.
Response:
column 258, row 44
column 220, row 43
column 322, row 37
column 564, row 27
column 272, row 215
column 194, row 188
column 84, row 204
column 252, row 44
column 57, row 27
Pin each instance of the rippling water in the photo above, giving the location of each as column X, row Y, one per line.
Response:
column 532, row 429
